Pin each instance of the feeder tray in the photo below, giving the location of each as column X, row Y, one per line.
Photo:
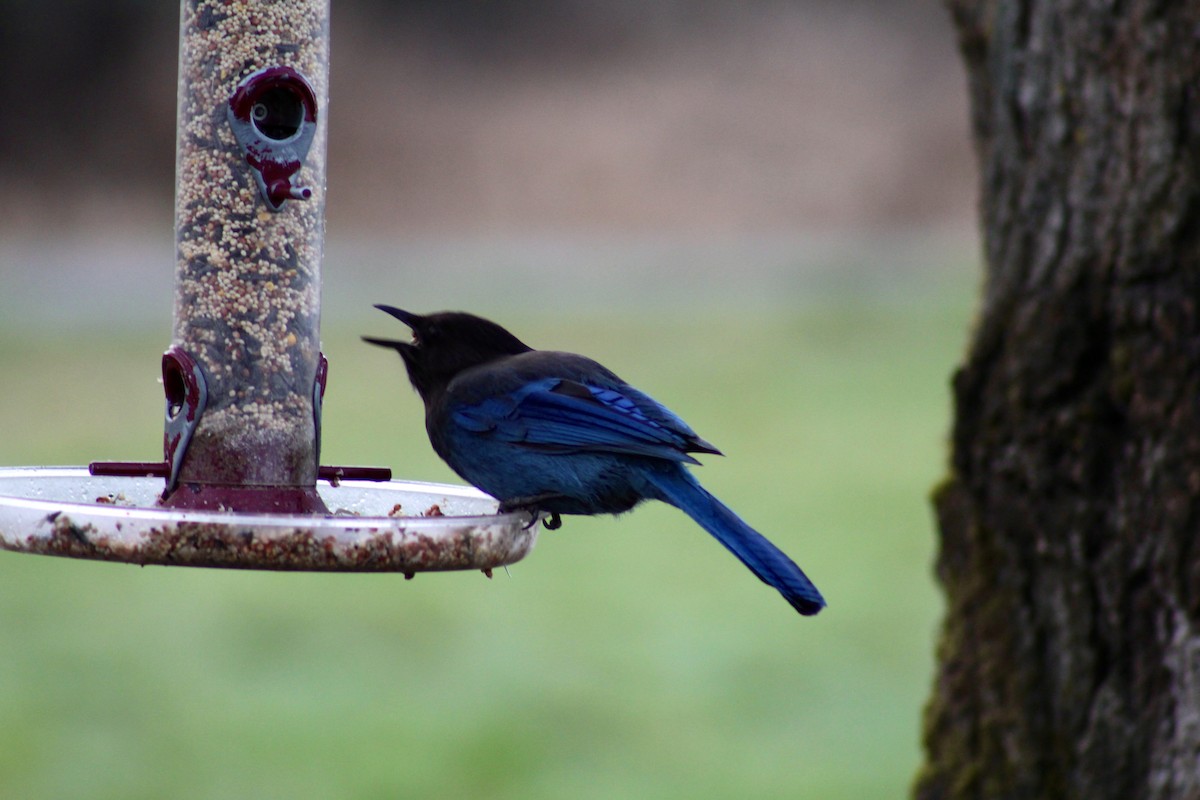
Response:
column 394, row 526
column 241, row 483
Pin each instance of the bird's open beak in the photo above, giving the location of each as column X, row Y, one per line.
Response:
column 413, row 321
column 391, row 344
column 407, row 317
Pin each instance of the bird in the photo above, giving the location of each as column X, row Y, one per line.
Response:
column 557, row 433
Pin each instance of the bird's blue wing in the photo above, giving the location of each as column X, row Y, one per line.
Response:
column 569, row 416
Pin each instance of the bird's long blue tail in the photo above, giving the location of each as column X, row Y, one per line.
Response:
column 681, row 489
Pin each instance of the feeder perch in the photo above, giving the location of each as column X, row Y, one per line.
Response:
column 244, row 376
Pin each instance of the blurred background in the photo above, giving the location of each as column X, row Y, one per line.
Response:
column 762, row 214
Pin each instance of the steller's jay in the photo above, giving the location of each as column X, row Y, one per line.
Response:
column 558, row 433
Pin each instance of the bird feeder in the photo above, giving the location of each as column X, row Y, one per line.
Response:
column 241, row 484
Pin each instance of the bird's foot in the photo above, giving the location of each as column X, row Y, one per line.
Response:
column 550, row 520
column 531, row 505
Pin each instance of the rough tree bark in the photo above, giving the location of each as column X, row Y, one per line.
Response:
column 1069, row 660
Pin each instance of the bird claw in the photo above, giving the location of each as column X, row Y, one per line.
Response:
column 550, row 521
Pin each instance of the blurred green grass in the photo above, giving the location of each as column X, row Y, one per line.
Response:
column 628, row 657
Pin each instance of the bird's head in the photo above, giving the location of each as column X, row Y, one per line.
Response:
column 446, row 343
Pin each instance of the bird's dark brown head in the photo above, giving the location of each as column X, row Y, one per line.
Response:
column 446, row 343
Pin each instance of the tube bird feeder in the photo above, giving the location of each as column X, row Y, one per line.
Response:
column 249, row 228
column 244, row 376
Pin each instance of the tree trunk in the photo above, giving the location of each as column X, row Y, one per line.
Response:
column 1069, row 661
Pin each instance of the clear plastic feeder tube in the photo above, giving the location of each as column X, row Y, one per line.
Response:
column 249, row 224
